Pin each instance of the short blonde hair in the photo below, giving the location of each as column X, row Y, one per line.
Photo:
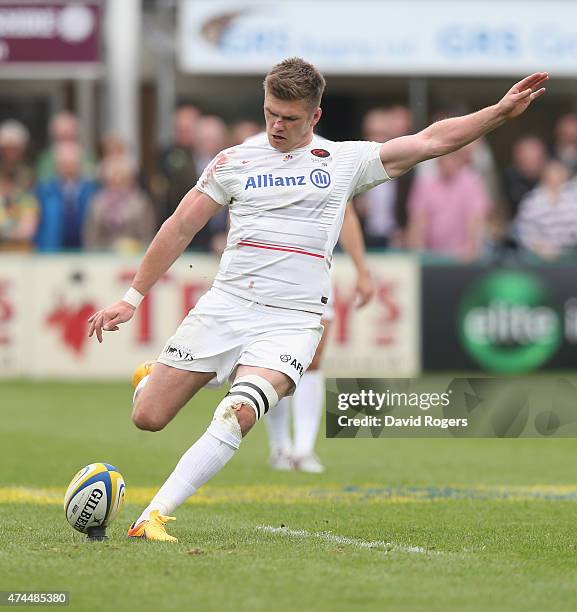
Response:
column 295, row 79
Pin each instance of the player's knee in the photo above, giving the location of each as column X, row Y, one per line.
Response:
column 146, row 419
column 235, row 418
column 251, row 394
column 246, row 417
column 147, row 422
column 249, row 398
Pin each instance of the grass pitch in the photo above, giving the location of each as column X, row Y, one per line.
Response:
column 393, row 524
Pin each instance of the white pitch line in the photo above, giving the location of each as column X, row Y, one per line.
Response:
column 337, row 539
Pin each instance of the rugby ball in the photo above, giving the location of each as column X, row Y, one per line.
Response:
column 94, row 497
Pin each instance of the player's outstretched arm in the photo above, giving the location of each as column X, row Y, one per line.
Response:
column 192, row 214
column 351, row 239
column 401, row 154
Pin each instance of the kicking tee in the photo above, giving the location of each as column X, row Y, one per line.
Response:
column 286, row 210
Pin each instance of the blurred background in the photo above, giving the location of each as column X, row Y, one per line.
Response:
column 109, row 111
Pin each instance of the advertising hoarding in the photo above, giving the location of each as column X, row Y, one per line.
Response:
column 45, row 303
column 506, row 320
column 50, row 32
column 416, row 37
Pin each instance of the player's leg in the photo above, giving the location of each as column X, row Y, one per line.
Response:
column 254, row 391
column 278, row 428
column 202, row 347
column 307, row 406
column 164, row 386
column 266, row 337
column 161, row 394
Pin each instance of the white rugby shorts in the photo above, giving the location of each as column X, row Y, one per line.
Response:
column 329, row 313
column 223, row 331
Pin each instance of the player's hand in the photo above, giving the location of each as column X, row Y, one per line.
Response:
column 108, row 319
column 364, row 290
column 518, row 98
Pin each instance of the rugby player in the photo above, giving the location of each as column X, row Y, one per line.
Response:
column 259, row 325
column 306, row 405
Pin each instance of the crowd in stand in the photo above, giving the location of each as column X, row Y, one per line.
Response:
column 459, row 206
column 72, row 199
column 462, row 206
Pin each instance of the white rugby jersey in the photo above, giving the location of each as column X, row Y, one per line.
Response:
column 286, row 212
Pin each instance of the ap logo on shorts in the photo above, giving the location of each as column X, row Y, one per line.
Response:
column 320, row 178
column 285, row 358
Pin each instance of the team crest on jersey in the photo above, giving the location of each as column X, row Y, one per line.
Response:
column 320, row 153
column 287, row 157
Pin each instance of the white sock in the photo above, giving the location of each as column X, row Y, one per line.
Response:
column 205, row 458
column 308, row 402
column 277, row 424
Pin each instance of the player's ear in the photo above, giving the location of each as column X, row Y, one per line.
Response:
column 316, row 116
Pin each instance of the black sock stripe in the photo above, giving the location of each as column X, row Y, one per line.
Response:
column 258, row 389
column 250, row 397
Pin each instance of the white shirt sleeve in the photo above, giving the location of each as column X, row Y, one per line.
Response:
column 370, row 172
column 209, row 183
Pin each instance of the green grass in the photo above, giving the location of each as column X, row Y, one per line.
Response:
column 481, row 551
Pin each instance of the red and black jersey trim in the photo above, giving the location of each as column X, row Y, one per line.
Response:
column 277, row 247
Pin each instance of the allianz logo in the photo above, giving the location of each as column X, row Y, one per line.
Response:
column 319, row 178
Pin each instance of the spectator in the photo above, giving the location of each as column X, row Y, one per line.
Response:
column 64, row 128
column 565, row 145
column 112, row 145
column 14, row 139
column 64, row 201
column 177, row 165
column 400, row 121
column 383, row 209
column 448, row 209
column 18, row 214
column 482, row 161
column 547, row 219
column 121, row 216
column 211, row 137
column 376, row 126
column 529, row 157
column 241, row 130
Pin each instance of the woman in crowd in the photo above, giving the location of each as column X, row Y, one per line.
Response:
column 121, row 216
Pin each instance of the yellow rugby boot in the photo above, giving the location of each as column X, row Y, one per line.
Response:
column 152, row 529
column 144, row 369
